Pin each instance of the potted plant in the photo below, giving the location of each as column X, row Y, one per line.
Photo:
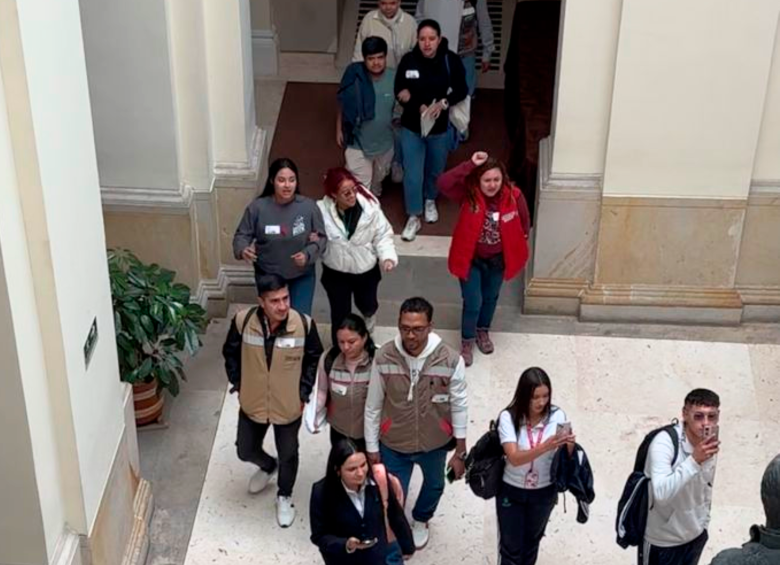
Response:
column 154, row 323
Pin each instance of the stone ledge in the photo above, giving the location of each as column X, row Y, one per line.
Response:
column 143, row 508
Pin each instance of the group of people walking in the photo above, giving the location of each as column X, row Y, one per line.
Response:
column 405, row 402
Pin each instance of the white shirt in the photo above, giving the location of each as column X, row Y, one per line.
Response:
column 358, row 498
column 376, row 393
column 516, row 475
column 680, row 492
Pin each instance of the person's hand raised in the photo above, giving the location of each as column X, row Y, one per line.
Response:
column 479, row 157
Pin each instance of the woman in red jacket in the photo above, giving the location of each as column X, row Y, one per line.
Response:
column 489, row 244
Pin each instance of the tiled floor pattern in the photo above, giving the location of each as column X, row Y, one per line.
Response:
column 614, row 390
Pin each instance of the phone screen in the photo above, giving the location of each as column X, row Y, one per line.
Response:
column 366, row 543
column 563, row 429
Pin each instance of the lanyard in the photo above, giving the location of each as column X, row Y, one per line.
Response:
column 531, row 441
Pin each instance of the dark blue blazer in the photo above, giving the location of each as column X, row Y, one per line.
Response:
column 334, row 519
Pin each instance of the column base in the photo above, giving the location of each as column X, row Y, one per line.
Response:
column 656, row 304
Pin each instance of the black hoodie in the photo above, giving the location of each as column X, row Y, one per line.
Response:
column 428, row 80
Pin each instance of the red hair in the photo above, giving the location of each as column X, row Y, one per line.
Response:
column 337, row 175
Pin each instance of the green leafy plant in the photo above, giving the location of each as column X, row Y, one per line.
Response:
column 154, row 321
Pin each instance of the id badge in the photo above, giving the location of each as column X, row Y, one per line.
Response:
column 273, row 230
column 531, row 479
column 338, row 388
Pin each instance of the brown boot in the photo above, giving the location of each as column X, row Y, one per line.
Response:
column 467, row 351
column 484, row 344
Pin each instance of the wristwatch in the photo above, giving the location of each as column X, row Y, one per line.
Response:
column 461, row 456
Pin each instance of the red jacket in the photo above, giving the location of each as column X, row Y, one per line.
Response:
column 513, row 225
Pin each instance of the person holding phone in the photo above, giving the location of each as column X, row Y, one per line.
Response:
column 681, row 487
column 351, row 513
column 283, row 233
column 530, row 434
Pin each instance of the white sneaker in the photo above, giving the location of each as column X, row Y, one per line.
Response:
column 420, row 534
column 371, row 324
column 431, row 213
column 285, row 511
column 413, row 225
column 259, row 481
column 397, row 173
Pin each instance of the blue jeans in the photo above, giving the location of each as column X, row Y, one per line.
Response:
column 302, row 292
column 394, row 556
column 432, row 465
column 480, row 295
column 424, row 160
column 470, row 64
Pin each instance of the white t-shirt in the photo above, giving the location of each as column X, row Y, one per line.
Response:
column 516, row 476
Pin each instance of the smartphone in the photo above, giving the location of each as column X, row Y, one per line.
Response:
column 450, row 474
column 366, row 543
column 712, row 431
column 563, row 429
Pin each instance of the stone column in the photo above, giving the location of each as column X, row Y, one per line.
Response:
column 236, row 141
column 265, row 40
column 72, row 481
column 646, row 183
column 686, row 115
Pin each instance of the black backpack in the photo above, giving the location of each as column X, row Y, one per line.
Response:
column 485, row 464
column 634, row 504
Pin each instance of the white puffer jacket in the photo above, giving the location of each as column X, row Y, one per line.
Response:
column 372, row 240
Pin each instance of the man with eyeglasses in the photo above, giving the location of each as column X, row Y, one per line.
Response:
column 417, row 410
column 681, row 487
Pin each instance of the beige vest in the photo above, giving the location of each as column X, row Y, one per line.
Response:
column 271, row 396
column 423, row 423
column 347, row 397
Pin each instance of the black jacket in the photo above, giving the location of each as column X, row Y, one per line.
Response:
column 334, row 519
column 575, row 475
column 428, row 80
column 312, row 350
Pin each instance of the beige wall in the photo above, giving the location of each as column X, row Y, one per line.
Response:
column 767, row 164
column 262, row 16
column 587, row 52
column 159, row 238
column 307, row 25
column 688, row 97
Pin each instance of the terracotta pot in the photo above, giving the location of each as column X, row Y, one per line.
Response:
column 148, row 403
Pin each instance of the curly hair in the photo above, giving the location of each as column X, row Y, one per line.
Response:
column 473, row 179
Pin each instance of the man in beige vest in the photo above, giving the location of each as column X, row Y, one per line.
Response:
column 271, row 356
column 417, row 410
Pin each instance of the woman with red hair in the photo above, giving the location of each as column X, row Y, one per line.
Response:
column 360, row 246
column 489, row 243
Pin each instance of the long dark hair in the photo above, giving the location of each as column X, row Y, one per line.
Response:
column 273, row 170
column 529, row 381
column 354, row 323
column 342, row 450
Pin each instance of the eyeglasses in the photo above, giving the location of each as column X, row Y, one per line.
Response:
column 417, row 331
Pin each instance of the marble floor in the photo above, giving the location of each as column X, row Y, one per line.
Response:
column 614, row 390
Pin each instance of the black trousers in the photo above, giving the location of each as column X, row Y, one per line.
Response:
column 336, row 435
column 341, row 287
column 522, row 518
column 249, row 444
column 685, row 554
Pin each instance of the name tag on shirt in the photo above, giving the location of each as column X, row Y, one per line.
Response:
column 469, row 11
column 285, row 342
column 339, row 389
column 440, row 398
column 411, row 73
column 273, row 230
column 507, row 217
